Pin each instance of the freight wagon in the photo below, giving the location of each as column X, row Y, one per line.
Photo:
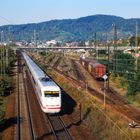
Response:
column 95, row 68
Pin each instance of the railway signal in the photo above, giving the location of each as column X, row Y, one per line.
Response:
column 105, row 78
column 80, row 110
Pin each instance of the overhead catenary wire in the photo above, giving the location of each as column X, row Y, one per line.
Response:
column 121, row 61
column 127, row 67
column 7, row 20
column 112, row 121
column 4, row 51
column 126, row 72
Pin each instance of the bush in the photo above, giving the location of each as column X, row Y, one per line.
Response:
column 5, row 83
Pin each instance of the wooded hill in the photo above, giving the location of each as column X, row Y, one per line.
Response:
column 80, row 29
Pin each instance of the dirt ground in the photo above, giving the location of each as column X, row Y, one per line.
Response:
column 10, row 114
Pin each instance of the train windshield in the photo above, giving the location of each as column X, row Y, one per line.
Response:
column 51, row 93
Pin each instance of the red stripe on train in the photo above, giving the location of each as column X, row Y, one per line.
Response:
column 54, row 108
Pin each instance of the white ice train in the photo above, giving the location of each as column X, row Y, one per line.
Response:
column 47, row 91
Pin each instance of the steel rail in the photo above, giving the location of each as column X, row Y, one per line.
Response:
column 63, row 127
column 28, row 109
column 18, row 104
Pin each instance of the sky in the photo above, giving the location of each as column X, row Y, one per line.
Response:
column 34, row 11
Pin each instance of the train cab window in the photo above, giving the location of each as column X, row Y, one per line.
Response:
column 51, row 93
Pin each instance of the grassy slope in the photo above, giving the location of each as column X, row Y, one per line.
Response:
column 3, row 102
column 102, row 125
column 117, row 84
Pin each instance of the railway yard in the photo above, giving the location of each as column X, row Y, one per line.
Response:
column 84, row 116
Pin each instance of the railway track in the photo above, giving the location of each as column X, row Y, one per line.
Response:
column 41, row 125
column 112, row 98
column 118, row 102
column 22, row 93
column 39, row 119
column 18, row 104
column 28, row 111
column 114, row 101
column 55, row 65
column 58, row 128
column 78, row 74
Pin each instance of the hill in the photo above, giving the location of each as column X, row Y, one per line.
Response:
column 72, row 29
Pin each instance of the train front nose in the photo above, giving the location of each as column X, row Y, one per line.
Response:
column 53, row 109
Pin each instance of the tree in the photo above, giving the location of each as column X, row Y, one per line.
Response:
column 5, row 83
column 132, row 41
column 125, row 67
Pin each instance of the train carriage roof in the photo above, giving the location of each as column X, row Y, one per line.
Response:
column 97, row 65
column 34, row 67
column 43, row 79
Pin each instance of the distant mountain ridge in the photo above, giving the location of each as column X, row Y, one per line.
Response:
column 79, row 29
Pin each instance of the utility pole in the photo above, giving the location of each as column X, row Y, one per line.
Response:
column 7, row 57
column 115, row 46
column 105, row 78
column 104, row 93
column 2, row 37
column 96, row 47
column 9, row 35
column 6, row 50
column 136, row 46
column 108, row 63
column 35, row 38
column 1, row 61
column 106, row 45
column 2, row 54
column 3, row 58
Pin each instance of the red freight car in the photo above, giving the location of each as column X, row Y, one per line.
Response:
column 96, row 69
